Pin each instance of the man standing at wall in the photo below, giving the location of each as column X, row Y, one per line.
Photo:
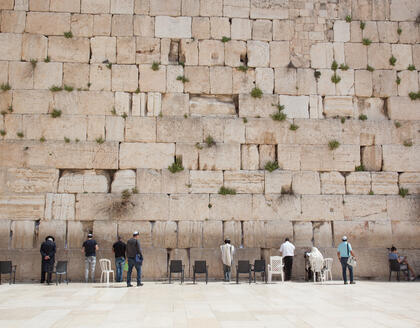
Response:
column 287, row 251
column 119, row 250
column 344, row 251
column 47, row 250
column 135, row 258
column 227, row 258
column 90, row 246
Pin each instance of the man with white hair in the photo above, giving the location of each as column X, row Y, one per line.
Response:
column 344, row 251
column 135, row 258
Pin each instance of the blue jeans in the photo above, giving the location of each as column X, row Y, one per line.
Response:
column 227, row 272
column 132, row 263
column 119, row 265
column 344, row 265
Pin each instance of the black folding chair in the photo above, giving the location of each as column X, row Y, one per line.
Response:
column 60, row 270
column 259, row 266
column 395, row 266
column 243, row 267
column 200, row 267
column 6, row 267
column 176, row 266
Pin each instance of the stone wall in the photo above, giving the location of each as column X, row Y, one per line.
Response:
column 102, row 96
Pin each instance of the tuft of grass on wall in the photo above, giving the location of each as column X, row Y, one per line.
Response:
column 271, row 166
column 176, row 165
column 256, row 93
column 227, row 191
column 333, row 144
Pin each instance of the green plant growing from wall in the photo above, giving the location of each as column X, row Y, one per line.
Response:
column 366, row 41
column 293, row 127
column 371, row 193
column 210, row 141
column 176, row 165
column 155, row 66
column 5, row 87
column 242, row 68
column 68, row 35
column 42, row 139
column 226, row 39
column 134, row 191
column 10, row 109
column 271, row 166
column 278, row 115
column 198, row 146
column 403, row 192
column 360, row 168
column 344, row 67
column 414, row 95
column 343, row 120
column 411, row 67
column 56, row 88
column 245, row 120
column 397, row 124
column 370, row 68
column 182, row 78
column 335, row 78
column 399, row 31
column 68, row 88
column 66, row 140
column 398, row 80
column 256, row 93
column 392, row 61
column 20, row 134
column 362, row 25
column 348, row 19
column 113, row 111
column 137, row 91
column 100, row 140
column 363, row 117
column 124, row 115
column 227, row 191
column 109, row 65
column 33, row 63
column 408, row 143
column 2, row 133
column 317, row 74
column 47, row 59
column 333, row 144
column 334, row 66
column 56, row 113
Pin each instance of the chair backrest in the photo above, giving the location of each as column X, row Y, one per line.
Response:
column 394, row 265
column 200, row 266
column 175, row 266
column 259, row 265
column 276, row 263
column 243, row 266
column 5, row 267
column 328, row 263
column 105, row 264
column 61, row 267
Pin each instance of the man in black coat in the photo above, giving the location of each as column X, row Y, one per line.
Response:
column 47, row 250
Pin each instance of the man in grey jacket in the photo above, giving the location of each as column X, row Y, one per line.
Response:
column 135, row 258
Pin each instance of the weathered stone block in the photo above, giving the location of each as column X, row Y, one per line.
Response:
column 258, row 54
column 219, row 27
column 88, row 181
column 164, row 234
column 403, row 54
column 175, row 183
column 405, row 234
column 122, row 25
column 372, row 158
column 95, row 6
column 172, row 27
column 149, row 181
column 321, row 158
column 21, row 75
column 220, row 80
column 232, row 230
column 31, row 180
column 47, row 75
column 246, row 182
column 332, row 183
column 358, row 183
column 189, row 207
column 410, row 181
column 235, row 51
column 47, row 23
column 60, row 207
column 13, row 21
column 302, row 234
column 154, row 104
column 22, row 207
column 4, row 233
column 74, row 50
column 306, row 182
column 388, row 32
column 322, row 234
column 365, row 207
column 408, row 81
column 341, row 31
column 221, row 157
column 322, row 55
column 272, row 10
column 140, row 129
column 295, row 106
column 378, row 55
column 249, row 157
column 206, row 181
column 272, row 207
column 82, row 25
column 190, row 234
column 278, row 182
column 222, row 208
column 211, row 53
column 212, row 233
column 403, row 209
column 202, row 105
column 124, row 78
column 150, row 155
column 201, row 28
column 267, row 154
column 75, row 74
column 338, row 106
column 322, row 207
column 402, row 108
column 213, row 260
column 23, row 234
column 122, row 7
column 384, row 183
column 189, row 154
column 33, row 47
column 103, row 49
column 404, row 10
column 285, row 81
column 364, row 234
column 399, row 158
column 150, row 80
column 123, row 180
column 105, row 233
column 283, row 29
column 179, row 130
column 253, row 232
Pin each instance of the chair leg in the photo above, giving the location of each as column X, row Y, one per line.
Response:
column 237, row 277
column 194, row 277
column 250, row 277
column 398, row 275
column 207, row 277
column 389, row 275
column 10, row 279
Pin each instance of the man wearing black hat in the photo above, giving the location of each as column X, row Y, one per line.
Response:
column 135, row 258
column 90, row 247
column 47, row 250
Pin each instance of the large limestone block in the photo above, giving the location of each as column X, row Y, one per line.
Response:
column 385, row 183
column 150, row 155
column 32, row 101
column 47, row 23
column 149, row 181
column 154, row 104
column 212, row 234
column 206, row 181
column 164, row 234
column 150, row 80
column 267, row 131
column 123, row 180
column 47, row 75
column 189, row 154
column 82, row 25
column 201, row 28
column 23, row 234
column 105, row 233
column 410, row 181
column 235, row 51
column 231, row 207
column 254, row 232
column 322, row 207
column 144, row 26
column 295, row 106
column 22, row 207
column 211, row 53
column 306, row 182
column 346, row 86
column 403, row 209
column 405, row 234
column 267, row 154
column 388, row 32
column 245, row 182
column 232, row 8
column 190, row 234
column 404, row 10
column 249, row 157
column 173, row 129
column 126, row 229
column 399, row 158
column 379, row 55
column 258, row 54
column 279, row 53
column 220, row 27
column 60, row 207
column 220, row 80
column 175, row 183
column 274, row 207
column 364, row 233
column 124, row 78
column 86, row 181
column 165, row 8
column 341, row 31
column 74, row 50
column 213, row 260
column 13, row 21
column 219, row 106
column 403, row 108
column 71, row 6
column 262, row 30
column 288, row 157
column 96, row 102
column 321, row 158
column 409, row 32
column 358, row 183
column 75, row 74
column 211, row 7
column 95, row 6
column 285, row 81
column 103, row 48
column 122, row 25
column 114, row 128
column 278, row 182
column 365, row 207
column 140, row 129
column 283, row 29
column 175, row 104
column 122, row 7
column 276, row 232
column 416, row 55
column 147, row 50
column 332, row 183
column 338, row 106
column 241, row 29
column 199, row 79
column 21, row 75
column 257, row 107
column 232, row 230
column 322, row 234
column 172, row 27
column 269, row 9
column 322, row 55
column 5, row 233
column 172, row 73
column 11, row 46
column 76, row 232
column 189, row 207
column 306, row 82
column 221, row 157
column 34, row 180
column 7, row 4
column 403, row 54
column 363, row 83
column 302, row 234
column 409, row 80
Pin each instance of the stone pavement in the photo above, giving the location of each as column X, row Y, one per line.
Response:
column 157, row 304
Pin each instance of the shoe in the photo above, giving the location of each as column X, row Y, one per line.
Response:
column 130, row 285
column 345, row 283
column 352, row 282
column 413, row 278
column 139, row 285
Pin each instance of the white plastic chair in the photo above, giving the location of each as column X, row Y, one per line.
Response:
column 328, row 268
column 317, row 266
column 275, row 267
column 106, row 270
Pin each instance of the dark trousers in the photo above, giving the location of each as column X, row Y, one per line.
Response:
column 49, row 276
column 132, row 263
column 288, row 262
column 344, row 266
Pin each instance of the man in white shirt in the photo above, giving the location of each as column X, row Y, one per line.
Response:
column 227, row 258
column 287, row 251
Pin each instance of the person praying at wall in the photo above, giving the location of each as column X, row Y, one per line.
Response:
column 227, row 258
column 47, row 250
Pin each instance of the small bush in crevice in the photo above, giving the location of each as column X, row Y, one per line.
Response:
column 56, row 88
column 278, row 116
column 366, row 41
column 124, row 115
column 100, row 140
column 397, row 124
column 392, row 61
column 2, row 133
column 333, row 144
column 66, row 140
column 408, row 143
column 120, row 207
column 242, row 68
column 176, row 166
column 226, row 39
column 411, row 67
column 68, row 88
column 10, row 109
column 210, row 141
column 348, row 19
column 362, row 25
column 363, row 117
column 256, row 93
column 317, row 74
column 398, row 80
column 343, row 120
column 335, row 78
column 34, row 62
column 370, row 68
column 293, row 127
column 182, row 78
column 227, row 191
column 334, row 65
column 414, row 95
column 360, row 168
column 403, row 192
column 399, row 31
column 56, row 113
column 245, row 120
column 20, row 134
column 155, row 66
column 371, row 192
column 271, row 166
column 344, row 67
column 5, row 87
column 42, row 139
column 47, row 59
column 68, row 35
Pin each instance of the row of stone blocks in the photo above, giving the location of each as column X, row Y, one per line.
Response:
column 372, row 262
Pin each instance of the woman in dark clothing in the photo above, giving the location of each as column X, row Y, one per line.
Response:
column 47, row 250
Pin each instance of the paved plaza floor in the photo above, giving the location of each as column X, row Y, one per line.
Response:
column 218, row 304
